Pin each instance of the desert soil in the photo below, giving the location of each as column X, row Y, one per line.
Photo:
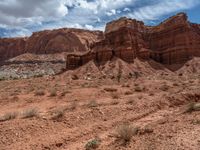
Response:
column 70, row 112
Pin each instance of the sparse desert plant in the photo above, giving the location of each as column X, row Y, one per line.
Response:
column 59, row 113
column 138, row 89
column 151, row 94
column 125, row 132
column 53, row 93
column 196, row 122
column 2, row 78
column 192, row 107
column 164, row 87
column 62, row 94
column 114, row 102
column 92, row 103
column 73, row 105
column 39, row 92
column 93, row 144
column 175, row 84
column 30, row 112
column 128, row 93
column 109, row 89
column 8, row 116
column 115, row 95
column 130, row 101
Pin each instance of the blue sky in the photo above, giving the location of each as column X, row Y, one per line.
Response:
column 22, row 17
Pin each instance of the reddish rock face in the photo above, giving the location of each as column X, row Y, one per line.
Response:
column 11, row 47
column 50, row 42
column 62, row 40
column 174, row 40
column 124, row 38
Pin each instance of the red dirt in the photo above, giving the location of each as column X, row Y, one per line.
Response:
column 157, row 109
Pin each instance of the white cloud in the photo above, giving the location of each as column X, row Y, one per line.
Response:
column 153, row 12
column 32, row 15
column 111, row 12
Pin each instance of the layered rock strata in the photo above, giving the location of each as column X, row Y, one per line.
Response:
column 173, row 41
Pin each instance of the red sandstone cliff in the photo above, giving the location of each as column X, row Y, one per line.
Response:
column 62, row 40
column 11, row 47
column 49, row 42
column 175, row 40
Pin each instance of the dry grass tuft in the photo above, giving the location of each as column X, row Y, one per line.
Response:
column 138, row 89
column 30, row 112
column 92, row 103
column 164, row 87
column 114, row 102
column 110, row 89
column 130, row 101
column 115, row 95
column 59, row 113
column 53, row 93
column 125, row 132
column 93, row 144
column 39, row 92
column 192, row 107
column 128, row 93
column 9, row 116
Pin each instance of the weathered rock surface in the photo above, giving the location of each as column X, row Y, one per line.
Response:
column 173, row 41
column 62, row 40
column 123, row 38
column 11, row 47
column 49, row 42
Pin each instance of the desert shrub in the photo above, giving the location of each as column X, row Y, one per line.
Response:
column 92, row 103
column 59, row 113
column 196, row 122
column 74, row 77
column 138, row 89
column 93, row 144
column 125, row 132
column 151, row 94
column 114, row 102
column 30, row 112
column 192, row 107
column 2, row 78
column 39, row 92
column 164, row 87
column 175, row 84
column 53, row 93
column 130, row 101
column 110, row 89
column 115, row 95
column 128, row 93
column 64, row 93
column 9, row 116
column 73, row 105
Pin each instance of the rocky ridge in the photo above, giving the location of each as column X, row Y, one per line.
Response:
column 172, row 42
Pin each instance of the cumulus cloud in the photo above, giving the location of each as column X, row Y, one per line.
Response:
column 25, row 16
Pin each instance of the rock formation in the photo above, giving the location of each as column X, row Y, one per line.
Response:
column 62, row 40
column 49, row 42
column 11, row 47
column 173, row 41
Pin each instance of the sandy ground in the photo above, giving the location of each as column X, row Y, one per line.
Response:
column 94, row 108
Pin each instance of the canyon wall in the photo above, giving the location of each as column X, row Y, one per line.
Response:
column 50, row 42
column 11, row 47
column 173, row 41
